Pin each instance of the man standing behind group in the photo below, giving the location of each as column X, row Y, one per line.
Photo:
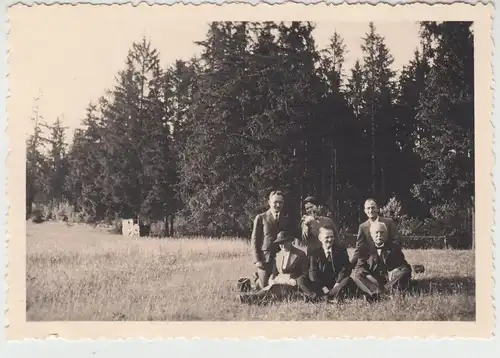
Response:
column 311, row 223
column 266, row 227
column 364, row 238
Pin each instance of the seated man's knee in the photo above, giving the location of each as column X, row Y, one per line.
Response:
column 349, row 281
column 405, row 271
column 301, row 280
column 357, row 274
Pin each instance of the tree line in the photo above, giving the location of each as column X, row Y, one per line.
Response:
column 199, row 144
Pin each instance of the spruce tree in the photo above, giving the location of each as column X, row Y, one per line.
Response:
column 445, row 136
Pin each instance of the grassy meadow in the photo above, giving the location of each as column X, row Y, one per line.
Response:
column 80, row 273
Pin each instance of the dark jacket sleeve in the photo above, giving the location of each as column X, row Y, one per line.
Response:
column 397, row 258
column 313, row 268
column 274, row 269
column 360, row 248
column 256, row 239
column 301, row 268
column 345, row 265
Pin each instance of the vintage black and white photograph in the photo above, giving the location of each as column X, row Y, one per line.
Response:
column 219, row 170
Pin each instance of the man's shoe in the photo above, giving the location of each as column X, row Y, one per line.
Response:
column 245, row 298
column 373, row 298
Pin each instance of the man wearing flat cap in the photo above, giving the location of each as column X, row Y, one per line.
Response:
column 288, row 275
column 311, row 223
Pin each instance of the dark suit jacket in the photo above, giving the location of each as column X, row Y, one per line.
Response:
column 326, row 274
column 364, row 238
column 264, row 233
column 296, row 265
column 391, row 257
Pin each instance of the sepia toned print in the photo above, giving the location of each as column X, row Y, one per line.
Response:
column 322, row 170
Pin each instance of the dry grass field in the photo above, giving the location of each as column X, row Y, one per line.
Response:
column 81, row 273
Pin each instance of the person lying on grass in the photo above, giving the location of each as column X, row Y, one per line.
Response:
column 330, row 268
column 381, row 266
column 288, row 277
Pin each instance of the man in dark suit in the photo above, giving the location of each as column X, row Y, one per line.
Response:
column 364, row 238
column 381, row 267
column 330, row 268
column 288, row 275
column 266, row 227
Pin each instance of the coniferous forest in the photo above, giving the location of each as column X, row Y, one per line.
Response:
column 199, row 144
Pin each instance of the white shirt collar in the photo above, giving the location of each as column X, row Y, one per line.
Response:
column 374, row 221
column 327, row 251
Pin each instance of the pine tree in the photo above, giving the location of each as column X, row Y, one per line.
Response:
column 306, row 127
column 36, row 162
column 445, row 141
column 137, row 138
column 84, row 182
column 212, row 166
column 57, row 162
column 181, row 83
column 378, row 111
column 411, row 86
column 342, row 133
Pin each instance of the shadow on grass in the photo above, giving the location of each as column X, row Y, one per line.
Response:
column 446, row 285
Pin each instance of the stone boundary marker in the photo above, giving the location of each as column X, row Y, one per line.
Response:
column 129, row 228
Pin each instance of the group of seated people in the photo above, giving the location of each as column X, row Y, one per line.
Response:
column 317, row 265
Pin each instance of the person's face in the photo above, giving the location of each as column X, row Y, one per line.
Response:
column 311, row 209
column 379, row 235
column 276, row 203
column 371, row 209
column 326, row 237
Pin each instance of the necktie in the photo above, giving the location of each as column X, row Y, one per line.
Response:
column 329, row 260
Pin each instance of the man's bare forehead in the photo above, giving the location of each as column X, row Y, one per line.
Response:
column 370, row 204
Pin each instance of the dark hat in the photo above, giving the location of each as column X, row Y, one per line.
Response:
column 283, row 236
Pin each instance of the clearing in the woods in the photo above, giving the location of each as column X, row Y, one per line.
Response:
column 76, row 272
